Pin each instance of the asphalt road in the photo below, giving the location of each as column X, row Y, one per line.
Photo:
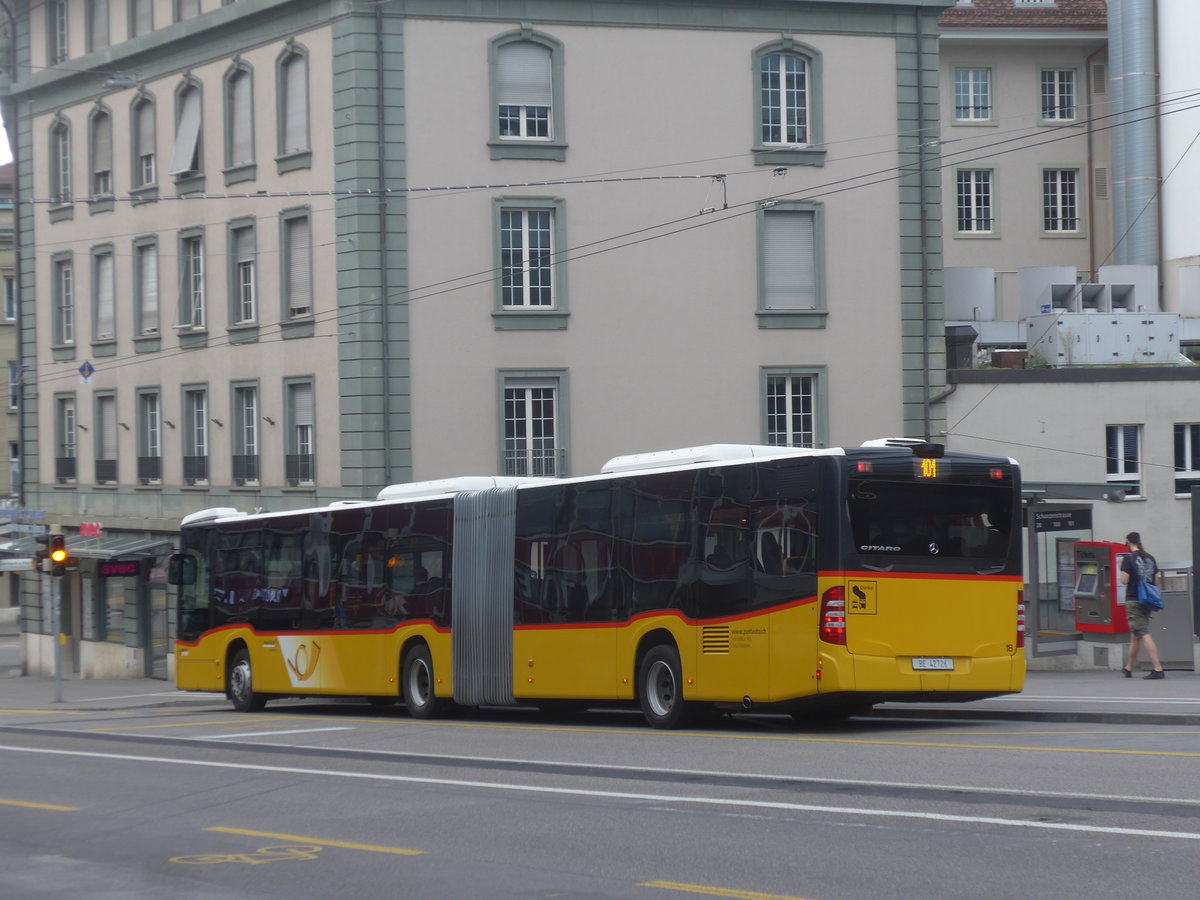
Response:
column 310, row 799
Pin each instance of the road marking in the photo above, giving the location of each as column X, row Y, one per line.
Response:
column 714, row 891
column 242, row 734
column 48, row 806
column 260, row 856
column 320, row 842
column 616, row 795
column 128, row 728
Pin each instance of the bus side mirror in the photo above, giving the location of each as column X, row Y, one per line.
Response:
column 181, row 569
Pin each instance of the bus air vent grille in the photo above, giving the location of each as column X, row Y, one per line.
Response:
column 715, row 639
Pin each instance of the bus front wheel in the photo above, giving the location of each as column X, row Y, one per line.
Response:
column 660, row 688
column 241, row 684
column 416, row 683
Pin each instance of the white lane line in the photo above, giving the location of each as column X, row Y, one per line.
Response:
column 622, row 795
column 1140, row 700
column 242, row 734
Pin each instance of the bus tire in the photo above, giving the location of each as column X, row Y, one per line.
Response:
column 240, row 684
column 416, row 683
column 660, row 688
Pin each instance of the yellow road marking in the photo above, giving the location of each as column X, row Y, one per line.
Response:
column 347, row 845
column 49, row 806
column 714, row 891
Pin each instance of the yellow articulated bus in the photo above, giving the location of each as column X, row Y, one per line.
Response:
column 728, row 576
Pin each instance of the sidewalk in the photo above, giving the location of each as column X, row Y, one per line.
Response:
column 1100, row 697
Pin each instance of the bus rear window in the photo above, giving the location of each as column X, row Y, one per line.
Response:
column 930, row 520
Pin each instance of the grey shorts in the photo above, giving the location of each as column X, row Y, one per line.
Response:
column 1139, row 619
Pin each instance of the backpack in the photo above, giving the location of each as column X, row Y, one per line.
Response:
column 1148, row 594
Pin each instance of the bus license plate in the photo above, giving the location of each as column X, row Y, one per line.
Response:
column 937, row 663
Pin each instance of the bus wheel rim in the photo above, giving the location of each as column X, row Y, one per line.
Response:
column 661, row 689
column 239, row 680
column 419, row 682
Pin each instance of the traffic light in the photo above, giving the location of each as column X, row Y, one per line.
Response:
column 58, row 555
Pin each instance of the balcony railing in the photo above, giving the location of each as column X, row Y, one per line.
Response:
column 64, row 469
column 195, row 469
column 299, row 469
column 149, row 470
column 245, row 470
column 106, row 471
column 545, row 463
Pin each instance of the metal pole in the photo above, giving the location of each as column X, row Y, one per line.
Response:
column 58, row 638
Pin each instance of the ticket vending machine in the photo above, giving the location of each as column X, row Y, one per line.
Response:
column 1099, row 594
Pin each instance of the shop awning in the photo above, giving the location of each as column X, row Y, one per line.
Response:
column 111, row 546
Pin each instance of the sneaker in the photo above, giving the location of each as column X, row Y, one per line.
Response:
column 1154, row 676
column 1128, row 673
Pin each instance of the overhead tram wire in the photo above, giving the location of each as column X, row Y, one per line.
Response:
column 570, row 254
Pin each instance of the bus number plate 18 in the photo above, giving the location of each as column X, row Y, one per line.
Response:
column 937, row 663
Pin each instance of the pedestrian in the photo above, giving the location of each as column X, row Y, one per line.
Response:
column 1138, row 566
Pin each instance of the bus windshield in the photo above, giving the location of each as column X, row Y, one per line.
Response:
column 952, row 521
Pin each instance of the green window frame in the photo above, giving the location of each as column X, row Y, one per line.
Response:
column 296, row 289
column 772, row 110
column 523, row 381
column 65, row 291
column 243, row 276
column 552, row 317
column 238, row 92
column 292, row 110
column 300, row 441
column 554, row 145
column 791, row 265
column 786, row 421
column 104, row 300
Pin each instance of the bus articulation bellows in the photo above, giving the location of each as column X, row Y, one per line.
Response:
column 730, row 576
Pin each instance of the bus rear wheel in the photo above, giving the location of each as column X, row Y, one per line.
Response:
column 660, row 688
column 416, row 683
column 240, row 685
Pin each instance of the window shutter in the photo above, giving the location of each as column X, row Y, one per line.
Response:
column 244, row 244
column 242, row 143
column 104, row 296
column 145, row 128
column 295, row 136
column 143, row 17
column 148, row 260
column 102, row 143
column 789, row 261
column 302, row 405
column 187, row 133
column 299, row 267
column 523, row 74
column 99, row 35
column 189, row 8
column 108, row 427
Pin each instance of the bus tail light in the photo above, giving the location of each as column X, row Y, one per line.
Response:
column 1020, row 618
column 833, row 616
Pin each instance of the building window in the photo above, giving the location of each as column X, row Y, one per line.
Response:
column 65, row 440
column 532, row 443
column 297, row 265
column 787, row 111
column 1187, row 458
column 101, row 134
column 527, row 258
column 103, row 294
column 239, row 118
column 191, row 282
column 141, row 17
column 195, row 436
column 186, row 9
column 106, row 439
column 245, row 435
column 1058, row 95
column 14, row 384
column 144, row 174
column 145, row 275
column 149, row 466
column 299, row 464
column 10, row 298
column 1060, row 203
column 97, row 14
column 791, row 278
column 526, row 77
column 972, row 95
column 1123, row 462
column 794, row 407
column 244, row 247
column 186, row 158
column 56, row 30
column 974, row 200
column 60, row 162
column 293, row 102
column 64, row 302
